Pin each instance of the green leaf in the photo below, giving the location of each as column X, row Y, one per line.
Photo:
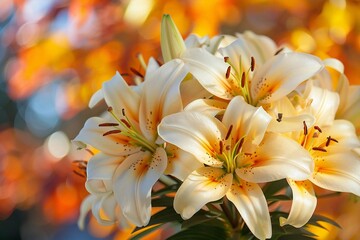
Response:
column 273, row 187
column 201, row 216
column 145, row 232
column 210, row 230
column 163, row 201
column 164, row 216
column 319, row 218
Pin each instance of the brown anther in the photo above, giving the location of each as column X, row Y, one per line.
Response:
column 334, row 140
column 112, row 132
column 305, row 128
column 279, row 51
column 280, row 115
column 328, row 141
column 126, row 123
column 108, row 124
column 319, row 149
column 243, row 78
column 229, row 132
column 318, row 128
column 252, row 64
column 89, row 151
column 240, row 144
column 79, row 174
column 124, row 74
column 123, row 112
column 110, row 109
column 228, row 70
column 221, row 147
column 136, row 72
column 226, row 59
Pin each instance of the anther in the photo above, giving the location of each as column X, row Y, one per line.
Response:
column 221, row 147
column 126, row 123
column 243, row 80
column 123, row 112
column 229, row 132
column 279, row 51
column 110, row 109
column 305, row 128
column 136, row 72
column 228, row 70
column 112, row 132
column 328, row 141
column 108, row 124
column 240, row 145
column 280, row 115
column 226, row 59
column 158, row 62
column 252, row 64
column 318, row 128
column 319, row 149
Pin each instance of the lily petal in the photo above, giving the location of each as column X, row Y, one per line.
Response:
column 196, row 133
column 250, row 201
column 96, row 98
column 180, row 163
column 84, row 209
column 277, row 157
column 207, row 106
column 113, row 144
column 324, row 105
column 246, row 120
column 119, row 95
column 281, row 74
column 161, row 96
column 337, row 170
column 191, row 90
column 100, row 170
column 133, row 181
column 210, row 71
column 204, row 185
column 303, row 204
column 104, row 209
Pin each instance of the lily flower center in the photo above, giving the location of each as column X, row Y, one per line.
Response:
column 126, row 128
column 312, row 140
column 229, row 153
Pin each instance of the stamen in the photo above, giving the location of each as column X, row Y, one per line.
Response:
column 226, row 59
column 240, row 145
column 305, row 128
column 229, row 132
column 110, row 109
column 279, row 51
column 228, row 70
column 334, row 140
column 136, row 72
column 319, row 149
column 123, row 112
column 328, row 141
column 243, row 80
column 126, row 123
column 280, row 115
column 108, row 124
column 318, row 128
column 252, row 64
column 79, row 174
column 221, row 147
column 112, row 132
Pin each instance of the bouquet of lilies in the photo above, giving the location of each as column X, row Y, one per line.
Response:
column 208, row 139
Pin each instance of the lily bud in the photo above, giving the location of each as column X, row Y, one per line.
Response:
column 172, row 43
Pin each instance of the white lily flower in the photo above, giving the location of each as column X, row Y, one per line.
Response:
column 238, row 154
column 332, row 145
column 132, row 156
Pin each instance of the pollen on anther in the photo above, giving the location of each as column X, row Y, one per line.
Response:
column 110, row 109
column 226, row 59
column 280, row 115
column 252, row 64
column 318, row 128
column 221, row 147
column 305, row 128
column 229, row 132
column 136, row 72
column 123, row 111
column 112, row 132
column 108, row 124
column 125, row 122
column 319, row 149
column 228, row 70
column 243, row 80
column 279, row 51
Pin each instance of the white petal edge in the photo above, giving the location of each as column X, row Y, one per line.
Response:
column 303, row 204
column 250, row 201
column 204, row 185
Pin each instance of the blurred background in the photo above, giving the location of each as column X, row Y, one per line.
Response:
column 54, row 54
